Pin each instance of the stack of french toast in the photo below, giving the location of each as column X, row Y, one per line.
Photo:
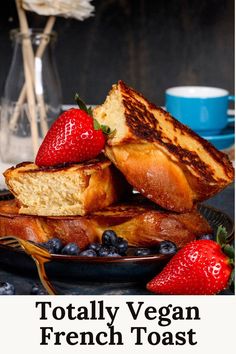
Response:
column 149, row 152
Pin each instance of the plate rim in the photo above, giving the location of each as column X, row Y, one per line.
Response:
column 219, row 137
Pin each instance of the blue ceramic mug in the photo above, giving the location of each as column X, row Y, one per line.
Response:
column 203, row 109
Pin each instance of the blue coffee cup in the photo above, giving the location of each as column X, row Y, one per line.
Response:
column 203, row 109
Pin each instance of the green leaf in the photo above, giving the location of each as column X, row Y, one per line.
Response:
column 112, row 133
column 232, row 278
column 106, row 129
column 229, row 251
column 96, row 125
column 81, row 103
column 221, row 235
column 90, row 111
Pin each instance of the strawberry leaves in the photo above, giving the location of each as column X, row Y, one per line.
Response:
column 105, row 129
column 221, row 236
column 97, row 126
column 229, row 251
column 82, row 105
column 222, row 240
column 232, row 280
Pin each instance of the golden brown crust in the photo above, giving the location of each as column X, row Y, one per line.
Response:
column 89, row 166
column 74, row 189
column 162, row 158
column 140, row 222
column 142, row 123
column 153, row 175
column 41, row 229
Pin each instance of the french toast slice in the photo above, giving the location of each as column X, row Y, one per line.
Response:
column 139, row 221
column 76, row 189
column 162, row 158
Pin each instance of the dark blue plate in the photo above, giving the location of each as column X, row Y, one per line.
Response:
column 104, row 269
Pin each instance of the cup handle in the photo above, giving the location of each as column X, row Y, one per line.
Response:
column 231, row 119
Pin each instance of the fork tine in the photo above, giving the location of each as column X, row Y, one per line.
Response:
column 12, row 243
column 9, row 241
column 29, row 247
column 33, row 249
column 7, row 238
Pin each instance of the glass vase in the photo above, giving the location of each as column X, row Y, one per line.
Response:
column 21, row 132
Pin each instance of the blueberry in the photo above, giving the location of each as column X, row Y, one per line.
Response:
column 42, row 292
column 112, row 249
column 142, row 252
column 71, row 249
column 167, row 247
column 54, row 245
column 109, row 238
column 113, row 254
column 44, row 245
column 95, row 246
column 206, row 237
column 119, row 239
column 122, row 247
column 88, row 253
column 103, row 252
column 7, row 288
column 37, row 290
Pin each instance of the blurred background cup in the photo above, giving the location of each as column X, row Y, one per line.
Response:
column 203, row 109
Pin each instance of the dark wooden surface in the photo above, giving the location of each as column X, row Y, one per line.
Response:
column 150, row 44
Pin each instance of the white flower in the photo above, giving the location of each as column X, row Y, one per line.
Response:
column 79, row 9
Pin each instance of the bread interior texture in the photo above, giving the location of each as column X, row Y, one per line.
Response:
column 112, row 112
column 75, row 190
column 45, row 193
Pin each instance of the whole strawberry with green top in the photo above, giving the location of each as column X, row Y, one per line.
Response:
column 202, row 267
column 74, row 137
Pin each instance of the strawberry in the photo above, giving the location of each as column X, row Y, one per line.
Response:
column 199, row 268
column 74, row 137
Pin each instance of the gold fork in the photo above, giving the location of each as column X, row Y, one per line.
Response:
column 39, row 254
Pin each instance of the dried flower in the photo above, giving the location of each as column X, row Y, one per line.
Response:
column 79, row 9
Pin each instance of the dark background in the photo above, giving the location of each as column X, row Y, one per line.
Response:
column 149, row 44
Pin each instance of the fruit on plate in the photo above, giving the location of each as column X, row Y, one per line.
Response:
column 167, row 247
column 71, row 249
column 37, row 290
column 142, row 252
column 202, row 267
column 111, row 246
column 7, row 288
column 54, row 245
column 74, row 137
